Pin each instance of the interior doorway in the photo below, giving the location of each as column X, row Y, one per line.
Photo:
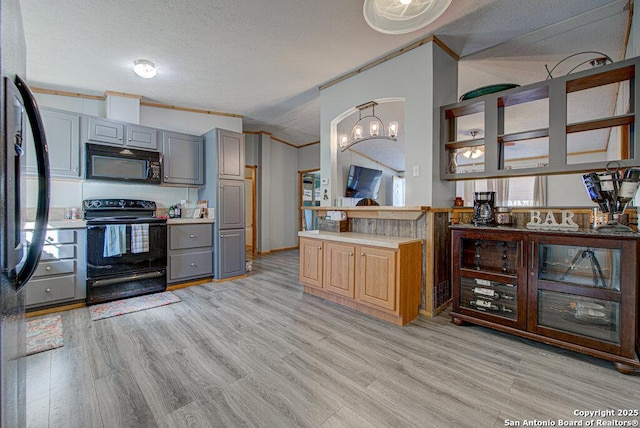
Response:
column 250, row 223
column 309, row 196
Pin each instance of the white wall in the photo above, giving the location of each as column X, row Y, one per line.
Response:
column 283, row 193
column 409, row 76
column 70, row 193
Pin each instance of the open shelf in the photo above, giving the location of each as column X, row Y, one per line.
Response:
column 506, row 117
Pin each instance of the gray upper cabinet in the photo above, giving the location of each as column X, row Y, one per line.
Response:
column 110, row 132
column 63, row 138
column 230, row 155
column 230, row 204
column 142, row 137
column 183, row 156
column 106, row 131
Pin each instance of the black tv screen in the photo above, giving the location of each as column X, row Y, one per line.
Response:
column 363, row 182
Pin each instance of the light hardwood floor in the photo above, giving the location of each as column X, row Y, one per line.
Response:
column 257, row 352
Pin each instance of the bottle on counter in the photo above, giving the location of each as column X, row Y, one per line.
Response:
column 177, row 211
column 172, row 211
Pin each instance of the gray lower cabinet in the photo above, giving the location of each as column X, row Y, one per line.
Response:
column 190, row 251
column 63, row 138
column 230, row 204
column 183, row 158
column 231, row 255
column 61, row 274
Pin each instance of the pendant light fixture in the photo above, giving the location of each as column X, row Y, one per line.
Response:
column 144, row 68
column 472, row 152
column 402, row 16
column 375, row 126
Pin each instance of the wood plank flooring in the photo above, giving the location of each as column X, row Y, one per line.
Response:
column 258, row 352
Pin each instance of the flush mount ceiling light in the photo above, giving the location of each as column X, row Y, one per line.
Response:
column 376, row 128
column 144, row 68
column 402, row 16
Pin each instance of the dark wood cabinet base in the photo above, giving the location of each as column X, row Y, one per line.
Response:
column 628, row 366
column 458, row 321
column 627, row 369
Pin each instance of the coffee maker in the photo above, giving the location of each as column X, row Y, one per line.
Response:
column 483, row 203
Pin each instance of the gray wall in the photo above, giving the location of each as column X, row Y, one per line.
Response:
column 309, row 157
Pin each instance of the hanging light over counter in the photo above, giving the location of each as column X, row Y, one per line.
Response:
column 375, row 125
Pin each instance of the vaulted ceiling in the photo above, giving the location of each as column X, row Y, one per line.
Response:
column 265, row 59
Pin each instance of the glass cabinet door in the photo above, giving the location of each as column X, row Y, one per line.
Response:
column 577, row 290
column 580, row 265
column 489, row 276
column 589, row 317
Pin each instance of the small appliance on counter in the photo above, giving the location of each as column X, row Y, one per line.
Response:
column 483, row 204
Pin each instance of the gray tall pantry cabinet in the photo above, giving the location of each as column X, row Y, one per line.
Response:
column 224, row 189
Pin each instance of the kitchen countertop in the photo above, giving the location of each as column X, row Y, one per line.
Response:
column 359, row 238
column 60, row 224
column 584, row 232
column 186, row 220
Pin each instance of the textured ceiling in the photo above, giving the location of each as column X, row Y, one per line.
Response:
column 266, row 59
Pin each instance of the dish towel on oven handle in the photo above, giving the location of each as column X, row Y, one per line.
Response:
column 140, row 238
column 115, row 240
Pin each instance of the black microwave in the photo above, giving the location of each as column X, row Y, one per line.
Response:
column 122, row 164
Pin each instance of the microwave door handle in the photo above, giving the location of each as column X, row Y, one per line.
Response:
column 42, row 161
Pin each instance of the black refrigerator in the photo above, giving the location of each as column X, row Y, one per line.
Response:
column 18, row 258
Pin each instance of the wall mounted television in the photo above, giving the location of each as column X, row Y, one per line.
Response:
column 363, row 182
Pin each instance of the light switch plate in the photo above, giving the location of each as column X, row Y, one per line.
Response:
column 416, row 170
column 325, row 181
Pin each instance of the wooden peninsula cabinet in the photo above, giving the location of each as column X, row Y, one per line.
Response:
column 378, row 275
column 576, row 290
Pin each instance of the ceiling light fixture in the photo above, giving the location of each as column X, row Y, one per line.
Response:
column 144, row 68
column 472, row 152
column 376, row 128
column 402, row 16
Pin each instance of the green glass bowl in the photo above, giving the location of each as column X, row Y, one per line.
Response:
column 487, row 90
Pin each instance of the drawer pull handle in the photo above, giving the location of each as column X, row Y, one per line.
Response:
column 50, row 238
column 362, row 254
column 319, row 248
column 192, row 236
column 193, row 265
column 351, row 254
column 47, row 268
column 48, row 290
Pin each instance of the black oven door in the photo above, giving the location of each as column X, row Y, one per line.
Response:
column 100, row 266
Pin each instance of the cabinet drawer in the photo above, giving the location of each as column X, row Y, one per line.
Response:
column 190, row 265
column 190, row 236
column 42, row 291
column 57, row 252
column 66, row 236
column 56, row 267
column 60, row 237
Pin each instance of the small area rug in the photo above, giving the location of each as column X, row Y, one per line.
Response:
column 134, row 304
column 44, row 334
